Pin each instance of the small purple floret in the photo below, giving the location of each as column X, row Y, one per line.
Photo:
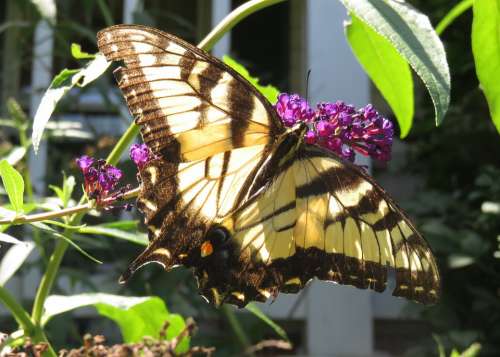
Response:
column 292, row 108
column 339, row 127
column 140, row 154
column 99, row 178
column 84, row 162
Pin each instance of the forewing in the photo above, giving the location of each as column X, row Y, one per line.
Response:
column 189, row 104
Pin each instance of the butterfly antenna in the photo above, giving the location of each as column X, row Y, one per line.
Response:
column 307, row 85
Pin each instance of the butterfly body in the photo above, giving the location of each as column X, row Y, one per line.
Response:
column 244, row 201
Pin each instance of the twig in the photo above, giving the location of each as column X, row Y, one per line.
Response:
column 64, row 212
column 280, row 344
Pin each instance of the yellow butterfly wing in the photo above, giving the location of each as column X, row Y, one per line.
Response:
column 189, row 104
column 322, row 217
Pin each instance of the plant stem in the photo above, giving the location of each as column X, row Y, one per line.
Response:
column 17, row 311
column 451, row 16
column 236, row 327
column 83, row 208
column 48, row 278
column 122, row 144
column 232, row 19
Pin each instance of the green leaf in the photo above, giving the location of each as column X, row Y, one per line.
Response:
column 137, row 238
column 64, row 194
column 123, row 225
column 472, row 351
column 136, row 316
column 412, row 35
column 388, row 70
column 486, row 51
column 457, row 261
column 60, row 85
column 47, row 9
column 68, row 187
column 13, row 259
column 76, row 52
column 56, row 234
column 15, row 155
column 14, row 185
column 269, row 91
column 455, row 12
column 257, row 312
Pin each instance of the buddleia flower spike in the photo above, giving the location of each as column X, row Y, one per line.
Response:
column 339, row 127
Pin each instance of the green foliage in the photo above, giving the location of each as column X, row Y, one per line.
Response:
column 13, row 259
column 102, row 230
column 60, row 85
column 136, row 316
column 452, row 15
column 64, row 193
column 486, row 50
column 387, row 69
column 76, row 52
column 269, row 91
column 412, row 35
column 13, row 184
column 276, row 328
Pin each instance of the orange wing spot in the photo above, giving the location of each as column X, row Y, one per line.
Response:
column 206, row 249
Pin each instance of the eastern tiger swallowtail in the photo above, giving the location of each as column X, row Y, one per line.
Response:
column 242, row 200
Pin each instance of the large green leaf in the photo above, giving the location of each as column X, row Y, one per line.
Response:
column 60, row 85
column 387, row 69
column 269, row 91
column 486, row 50
column 412, row 35
column 14, row 185
column 136, row 316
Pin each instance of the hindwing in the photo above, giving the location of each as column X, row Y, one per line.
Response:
column 322, row 217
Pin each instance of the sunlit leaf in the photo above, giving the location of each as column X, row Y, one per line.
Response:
column 136, row 316
column 15, row 155
column 269, row 91
column 46, row 8
column 58, row 235
column 136, row 237
column 13, row 259
column 5, row 238
column 486, row 51
column 13, row 184
column 60, row 85
column 412, row 35
column 388, row 70
column 76, row 52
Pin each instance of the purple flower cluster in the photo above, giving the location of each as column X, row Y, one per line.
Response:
column 100, row 178
column 339, row 127
column 140, row 155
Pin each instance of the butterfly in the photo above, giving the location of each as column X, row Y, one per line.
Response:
column 241, row 199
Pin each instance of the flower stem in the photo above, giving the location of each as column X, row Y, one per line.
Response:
column 17, row 311
column 236, row 327
column 49, row 277
column 122, row 144
column 83, row 208
column 232, row 19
